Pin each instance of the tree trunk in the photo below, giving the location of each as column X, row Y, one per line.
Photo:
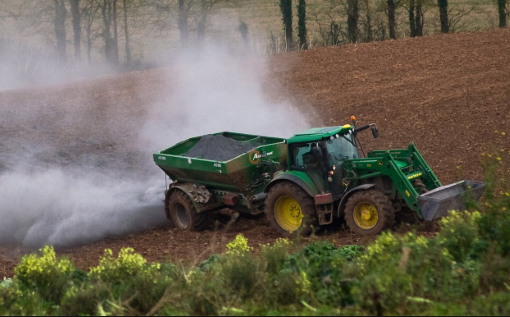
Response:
column 126, row 30
column 392, row 23
column 89, row 45
column 75, row 11
column 182, row 23
column 60, row 29
column 107, row 35
column 352, row 20
column 412, row 25
column 443, row 15
column 286, row 9
column 302, row 24
column 502, row 13
column 115, row 34
column 202, row 23
column 419, row 18
column 369, row 35
column 201, row 30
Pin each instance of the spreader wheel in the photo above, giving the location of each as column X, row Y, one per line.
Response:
column 183, row 213
column 290, row 209
column 369, row 212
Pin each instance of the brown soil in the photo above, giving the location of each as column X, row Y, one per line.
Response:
column 447, row 93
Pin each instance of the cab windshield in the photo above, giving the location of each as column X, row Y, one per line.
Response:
column 341, row 148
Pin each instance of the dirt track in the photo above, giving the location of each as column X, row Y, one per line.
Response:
column 447, row 93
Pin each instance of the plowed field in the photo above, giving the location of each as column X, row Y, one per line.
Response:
column 447, row 93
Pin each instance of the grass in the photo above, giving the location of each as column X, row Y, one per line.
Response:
column 463, row 270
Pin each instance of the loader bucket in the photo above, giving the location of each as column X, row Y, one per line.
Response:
column 437, row 202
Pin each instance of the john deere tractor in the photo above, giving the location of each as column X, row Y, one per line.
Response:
column 306, row 181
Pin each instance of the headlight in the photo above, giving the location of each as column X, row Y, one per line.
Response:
column 330, row 179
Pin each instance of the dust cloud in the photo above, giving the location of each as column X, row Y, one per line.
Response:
column 73, row 190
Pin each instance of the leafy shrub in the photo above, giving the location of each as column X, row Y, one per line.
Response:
column 459, row 234
column 238, row 271
column 492, row 304
column 128, row 278
column 239, row 246
column 276, row 255
column 47, row 275
column 207, row 265
column 395, row 268
column 110, row 269
column 6, row 283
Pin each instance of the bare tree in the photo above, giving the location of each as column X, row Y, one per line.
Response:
column 60, row 28
column 419, row 18
column 126, row 31
column 328, row 19
column 443, row 15
column 368, row 23
column 76, row 14
column 302, row 32
column 115, row 32
column 109, row 14
column 456, row 19
column 352, row 20
column 286, row 10
column 182, row 20
column 89, row 12
column 391, row 9
column 502, row 13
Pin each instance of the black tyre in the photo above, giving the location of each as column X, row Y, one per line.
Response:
column 420, row 186
column 369, row 212
column 183, row 213
column 290, row 210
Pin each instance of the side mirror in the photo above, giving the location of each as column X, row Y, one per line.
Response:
column 375, row 132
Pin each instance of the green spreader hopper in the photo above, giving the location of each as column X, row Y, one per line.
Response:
column 224, row 169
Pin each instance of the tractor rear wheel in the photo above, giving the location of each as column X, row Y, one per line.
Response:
column 183, row 213
column 369, row 212
column 290, row 210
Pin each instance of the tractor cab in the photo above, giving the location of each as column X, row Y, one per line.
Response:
column 321, row 153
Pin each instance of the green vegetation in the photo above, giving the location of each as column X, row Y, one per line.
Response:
column 464, row 269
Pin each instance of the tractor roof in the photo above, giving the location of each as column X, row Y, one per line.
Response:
column 317, row 134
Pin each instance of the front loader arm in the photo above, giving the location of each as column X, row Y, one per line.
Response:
column 402, row 167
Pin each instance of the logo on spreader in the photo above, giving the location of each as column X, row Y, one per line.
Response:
column 255, row 156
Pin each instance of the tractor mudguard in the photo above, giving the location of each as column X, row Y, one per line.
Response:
column 188, row 189
column 349, row 193
column 299, row 178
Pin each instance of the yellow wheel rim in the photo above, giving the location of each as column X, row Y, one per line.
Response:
column 288, row 213
column 365, row 215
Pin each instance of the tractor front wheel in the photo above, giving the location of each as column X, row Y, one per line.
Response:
column 369, row 212
column 183, row 213
column 290, row 210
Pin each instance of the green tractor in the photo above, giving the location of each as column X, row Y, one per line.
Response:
column 307, row 181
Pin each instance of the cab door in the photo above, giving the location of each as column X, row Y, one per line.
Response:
column 310, row 158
